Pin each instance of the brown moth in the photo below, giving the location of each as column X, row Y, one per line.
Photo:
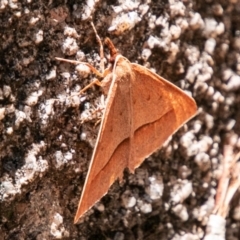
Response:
column 142, row 111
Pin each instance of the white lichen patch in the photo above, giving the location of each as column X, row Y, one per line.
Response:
column 144, row 207
column 196, row 21
column 20, row 117
column 181, row 211
column 32, row 98
column 212, row 28
column 62, row 158
column 70, row 32
column 46, row 110
column 34, row 166
column 187, row 143
column 52, row 74
column 33, row 20
column 3, row 4
column 7, row 188
column 128, row 200
column 39, row 37
column 215, row 228
column 177, row 8
column 70, row 46
column 126, row 15
column 155, row 189
column 124, row 22
column 88, row 9
column 182, row 189
column 57, row 229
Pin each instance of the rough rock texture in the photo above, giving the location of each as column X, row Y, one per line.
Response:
column 48, row 133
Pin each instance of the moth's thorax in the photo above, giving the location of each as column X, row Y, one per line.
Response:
column 119, row 72
column 122, row 69
column 106, row 82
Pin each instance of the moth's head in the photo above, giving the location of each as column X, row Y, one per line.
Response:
column 113, row 51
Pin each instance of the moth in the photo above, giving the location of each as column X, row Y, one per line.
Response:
column 142, row 111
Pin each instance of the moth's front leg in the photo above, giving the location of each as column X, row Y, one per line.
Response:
column 94, row 82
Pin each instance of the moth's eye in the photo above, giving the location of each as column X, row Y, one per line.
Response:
column 112, row 60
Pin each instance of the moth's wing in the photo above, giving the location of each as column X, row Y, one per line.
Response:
column 112, row 149
column 159, row 109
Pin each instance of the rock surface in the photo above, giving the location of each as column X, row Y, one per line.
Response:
column 48, row 134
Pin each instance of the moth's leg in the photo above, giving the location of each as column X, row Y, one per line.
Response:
column 97, row 122
column 102, row 67
column 101, row 74
column 94, row 82
column 95, row 114
column 93, row 69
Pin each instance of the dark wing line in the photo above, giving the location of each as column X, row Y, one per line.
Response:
column 126, row 139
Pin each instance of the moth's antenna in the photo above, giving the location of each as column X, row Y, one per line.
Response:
column 100, row 50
